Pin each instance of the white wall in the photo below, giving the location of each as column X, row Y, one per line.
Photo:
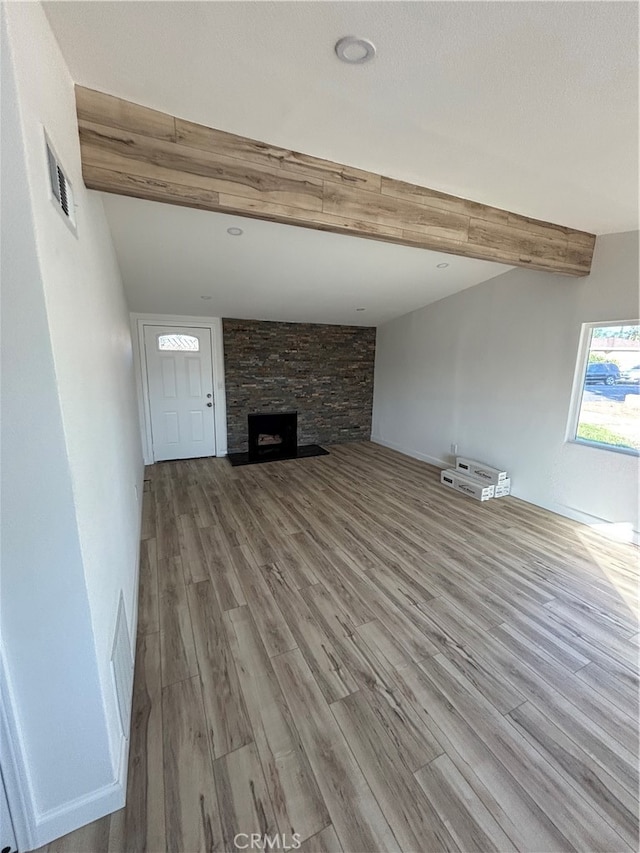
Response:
column 71, row 447
column 491, row 369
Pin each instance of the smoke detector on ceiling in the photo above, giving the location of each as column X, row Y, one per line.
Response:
column 355, row 50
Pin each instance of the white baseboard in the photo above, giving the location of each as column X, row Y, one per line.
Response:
column 32, row 829
column 69, row 816
column 15, row 773
column 63, row 819
column 56, row 822
column 608, row 529
column 415, row 454
column 618, row 532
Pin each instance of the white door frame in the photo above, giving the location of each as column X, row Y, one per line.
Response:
column 214, row 324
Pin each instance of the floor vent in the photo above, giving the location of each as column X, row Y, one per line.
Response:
column 122, row 663
column 61, row 192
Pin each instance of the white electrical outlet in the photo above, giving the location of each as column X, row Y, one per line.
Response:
column 454, row 449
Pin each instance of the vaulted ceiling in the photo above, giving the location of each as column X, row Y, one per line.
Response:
column 527, row 106
column 170, row 257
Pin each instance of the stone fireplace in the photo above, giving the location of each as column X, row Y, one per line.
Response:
column 324, row 373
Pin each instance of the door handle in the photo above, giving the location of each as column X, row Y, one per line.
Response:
column 209, row 395
column 209, row 404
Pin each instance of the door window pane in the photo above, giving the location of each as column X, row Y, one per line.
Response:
column 178, row 343
column 609, row 408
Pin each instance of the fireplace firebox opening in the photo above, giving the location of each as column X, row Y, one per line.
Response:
column 273, row 436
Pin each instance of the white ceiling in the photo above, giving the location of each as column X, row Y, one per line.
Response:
column 530, row 106
column 171, row 256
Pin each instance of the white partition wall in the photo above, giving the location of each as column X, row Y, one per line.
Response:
column 491, row 369
column 71, row 460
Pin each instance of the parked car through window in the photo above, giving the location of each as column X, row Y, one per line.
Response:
column 603, row 371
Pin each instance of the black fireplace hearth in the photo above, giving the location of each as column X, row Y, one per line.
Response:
column 273, row 436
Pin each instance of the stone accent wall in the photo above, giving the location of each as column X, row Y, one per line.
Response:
column 323, row 372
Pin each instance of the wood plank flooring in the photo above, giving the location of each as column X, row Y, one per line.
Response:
column 341, row 650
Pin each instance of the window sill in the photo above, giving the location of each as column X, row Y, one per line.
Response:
column 626, row 451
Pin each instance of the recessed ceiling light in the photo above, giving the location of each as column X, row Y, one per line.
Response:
column 354, row 50
column 205, row 297
column 360, row 309
column 235, row 232
column 442, row 266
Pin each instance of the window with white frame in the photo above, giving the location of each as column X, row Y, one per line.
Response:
column 607, row 411
column 178, row 343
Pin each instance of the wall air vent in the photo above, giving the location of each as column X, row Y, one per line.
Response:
column 122, row 664
column 61, row 192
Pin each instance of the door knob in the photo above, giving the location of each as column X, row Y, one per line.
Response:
column 208, row 395
column 209, row 404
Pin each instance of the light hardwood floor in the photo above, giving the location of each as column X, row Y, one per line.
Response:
column 342, row 648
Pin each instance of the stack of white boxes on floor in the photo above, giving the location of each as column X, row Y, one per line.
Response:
column 476, row 479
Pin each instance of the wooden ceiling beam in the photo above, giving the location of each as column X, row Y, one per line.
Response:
column 136, row 151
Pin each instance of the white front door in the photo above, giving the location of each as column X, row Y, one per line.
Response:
column 180, row 388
